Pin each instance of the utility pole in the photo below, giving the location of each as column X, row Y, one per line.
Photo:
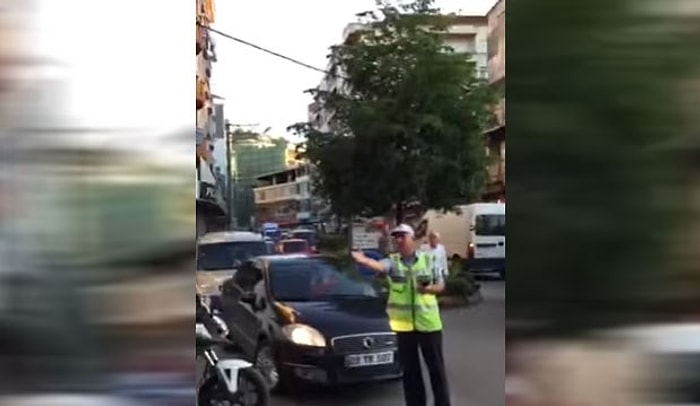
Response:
column 229, row 175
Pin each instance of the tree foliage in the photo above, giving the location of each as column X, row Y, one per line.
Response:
column 407, row 116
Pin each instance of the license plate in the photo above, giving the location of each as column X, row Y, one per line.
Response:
column 365, row 360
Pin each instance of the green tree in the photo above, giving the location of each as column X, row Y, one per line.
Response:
column 408, row 120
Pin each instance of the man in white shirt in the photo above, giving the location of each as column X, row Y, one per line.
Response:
column 438, row 251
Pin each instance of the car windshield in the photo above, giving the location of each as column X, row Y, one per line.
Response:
column 490, row 225
column 226, row 255
column 314, row 279
column 291, row 247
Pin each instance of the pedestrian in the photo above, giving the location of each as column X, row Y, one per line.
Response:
column 414, row 315
column 439, row 253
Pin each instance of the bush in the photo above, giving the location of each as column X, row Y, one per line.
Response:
column 460, row 282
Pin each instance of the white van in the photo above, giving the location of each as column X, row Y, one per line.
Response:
column 475, row 233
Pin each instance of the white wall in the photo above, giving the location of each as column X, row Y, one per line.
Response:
column 220, row 156
column 205, row 174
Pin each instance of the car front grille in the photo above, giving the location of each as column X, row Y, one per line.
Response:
column 359, row 343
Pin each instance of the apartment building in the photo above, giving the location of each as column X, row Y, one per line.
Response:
column 496, row 136
column 211, row 207
column 285, row 197
column 466, row 34
column 252, row 157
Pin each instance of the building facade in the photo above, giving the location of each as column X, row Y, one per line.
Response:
column 209, row 192
column 496, row 136
column 285, row 197
column 466, row 34
column 252, row 158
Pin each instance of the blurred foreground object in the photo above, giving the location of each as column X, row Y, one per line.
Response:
column 649, row 365
column 606, row 217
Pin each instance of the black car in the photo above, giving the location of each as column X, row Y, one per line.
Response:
column 301, row 317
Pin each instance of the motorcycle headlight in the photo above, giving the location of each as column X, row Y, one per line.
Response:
column 223, row 328
column 304, row 335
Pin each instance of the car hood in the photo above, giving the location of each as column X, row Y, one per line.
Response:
column 208, row 282
column 339, row 317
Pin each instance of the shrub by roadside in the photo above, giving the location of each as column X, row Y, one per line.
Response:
column 461, row 288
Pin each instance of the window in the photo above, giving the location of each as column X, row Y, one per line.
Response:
column 312, row 279
column 483, row 73
column 490, row 225
column 298, row 188
column 492, row 45
column 228, row 255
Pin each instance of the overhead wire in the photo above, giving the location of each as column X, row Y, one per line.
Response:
column 266, row 50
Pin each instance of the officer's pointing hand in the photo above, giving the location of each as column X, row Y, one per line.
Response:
column 358, row 256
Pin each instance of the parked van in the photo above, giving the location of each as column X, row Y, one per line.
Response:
column 475, row 233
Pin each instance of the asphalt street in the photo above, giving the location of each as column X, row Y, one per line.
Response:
column 474, row 353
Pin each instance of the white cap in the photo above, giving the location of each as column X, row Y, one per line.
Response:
column 403, row 229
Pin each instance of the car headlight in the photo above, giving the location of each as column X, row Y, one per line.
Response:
column 304, row 335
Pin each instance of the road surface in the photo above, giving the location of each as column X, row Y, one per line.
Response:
column 474, row 353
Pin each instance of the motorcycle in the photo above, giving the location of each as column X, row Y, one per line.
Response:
column 226, row 380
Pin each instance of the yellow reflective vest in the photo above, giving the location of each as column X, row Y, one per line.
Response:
column 408, row 309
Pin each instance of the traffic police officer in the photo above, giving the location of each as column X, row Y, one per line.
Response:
column 414, row 315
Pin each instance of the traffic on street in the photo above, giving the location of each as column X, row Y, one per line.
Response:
column 474, row 349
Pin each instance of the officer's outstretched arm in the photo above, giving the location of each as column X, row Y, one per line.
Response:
column 370, row 263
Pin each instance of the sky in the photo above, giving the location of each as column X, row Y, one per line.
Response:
column 112, row 47
column 265, row 90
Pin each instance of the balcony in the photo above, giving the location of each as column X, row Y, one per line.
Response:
column 203, row 94
column 201, row 43
column 205, row 11
column 293, row 191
